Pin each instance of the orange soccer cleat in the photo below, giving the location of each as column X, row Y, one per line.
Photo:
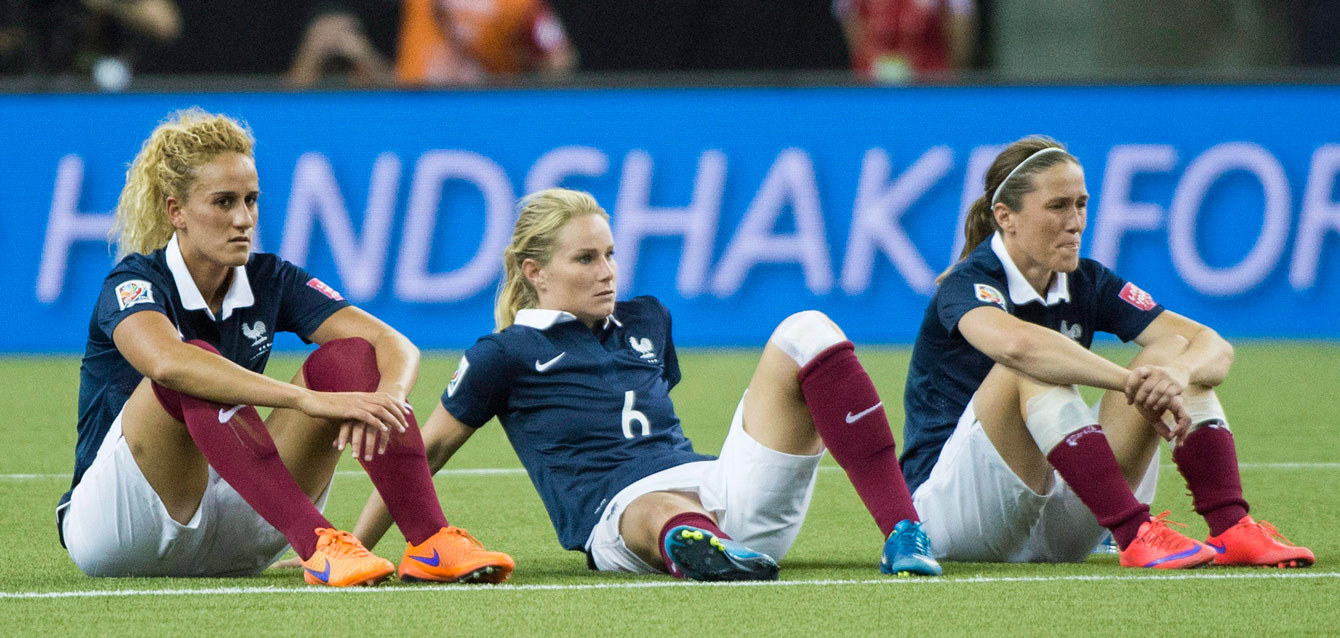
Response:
column 1159, row 547
column 341, row 561
column 452, row 555
column 1258, row 544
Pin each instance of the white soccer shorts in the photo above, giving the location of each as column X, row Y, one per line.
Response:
column 758, row 495
column 974, row 508
column 116, row 525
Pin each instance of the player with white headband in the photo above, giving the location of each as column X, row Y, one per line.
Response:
column 1006, row 461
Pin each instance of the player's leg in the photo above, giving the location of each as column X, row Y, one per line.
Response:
column 113, row 527
column 674, row 530
column 1014, row 408
column 164, row 451
column 1133, row 441
column 175, row 439
column 1208, row 460
column 809, row 392
column 240, row 448
column 437, row 550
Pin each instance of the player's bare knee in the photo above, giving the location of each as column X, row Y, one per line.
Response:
column 803, row 335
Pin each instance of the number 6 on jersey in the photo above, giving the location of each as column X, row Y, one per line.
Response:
column 631, row 416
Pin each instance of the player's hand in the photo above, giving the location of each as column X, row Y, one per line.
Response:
column 379, row 410
column 364, row 439
column 1181, row 421
column 1155, row 387
column 366, row 418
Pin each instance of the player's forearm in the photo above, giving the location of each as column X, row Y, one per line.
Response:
column 1049, row 356
column 1207, row 358
column 208, row 376
column 398, row 363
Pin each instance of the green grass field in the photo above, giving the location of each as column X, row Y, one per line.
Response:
column 1281, row 399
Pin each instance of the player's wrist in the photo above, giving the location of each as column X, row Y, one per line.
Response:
column 396, row 390
column 301, row 398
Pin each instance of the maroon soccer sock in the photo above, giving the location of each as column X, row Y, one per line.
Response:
column 235, row 442
column 850, row 418
column 1209, row 463
column 695, row 519
column 1086, row 462
column 401, row 474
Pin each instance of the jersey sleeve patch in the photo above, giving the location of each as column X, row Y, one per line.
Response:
column 1132, row 294
column 988, row 294
column 457, row 376
column 321, row 287
column 133, row 291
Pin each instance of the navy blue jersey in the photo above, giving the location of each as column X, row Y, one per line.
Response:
column 266, row 296
column 588, row 412
column 946, row 370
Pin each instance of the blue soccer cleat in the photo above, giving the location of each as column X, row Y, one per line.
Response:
column 698, row 554
column 908, row 551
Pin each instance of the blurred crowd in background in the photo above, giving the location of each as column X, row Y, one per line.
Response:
column 415, row 43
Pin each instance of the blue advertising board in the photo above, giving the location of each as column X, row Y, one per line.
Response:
column 735, row 206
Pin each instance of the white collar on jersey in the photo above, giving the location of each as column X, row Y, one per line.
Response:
column 239, row 291
column 542, row 319
column 1021, row 292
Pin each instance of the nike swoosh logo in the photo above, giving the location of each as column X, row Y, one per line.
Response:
column 1220, row 548
column 1178, row 556
column 541, row 367
column 852, row 418
column 431, row 562
column 323, row 576
column 227, row 415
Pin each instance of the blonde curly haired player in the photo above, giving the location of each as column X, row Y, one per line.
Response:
column 175, row 472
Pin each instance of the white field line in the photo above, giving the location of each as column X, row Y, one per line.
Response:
column 971, row 580
column 516, row 471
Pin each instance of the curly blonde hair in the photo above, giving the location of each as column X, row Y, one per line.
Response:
column 543, row 213
column 166, row 166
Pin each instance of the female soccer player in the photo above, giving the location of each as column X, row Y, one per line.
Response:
column 1004, row 457
column 175, row 472
column 581, row 384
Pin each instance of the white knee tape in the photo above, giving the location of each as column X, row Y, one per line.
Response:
column 1055, row 414
column 805, row 334
column 1203, row 406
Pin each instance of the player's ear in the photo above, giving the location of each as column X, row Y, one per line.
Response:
column 176, row 216
column 1004, row 216
column 533, row 272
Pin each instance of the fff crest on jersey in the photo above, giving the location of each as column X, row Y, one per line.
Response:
column 133, row 291
column 988, row 294
column 644, row 348
column 255, row 332
column 1072, row 330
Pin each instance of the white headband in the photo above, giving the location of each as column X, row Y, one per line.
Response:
column 996, row 197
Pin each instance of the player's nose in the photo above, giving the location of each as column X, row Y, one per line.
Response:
column 607, row 270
